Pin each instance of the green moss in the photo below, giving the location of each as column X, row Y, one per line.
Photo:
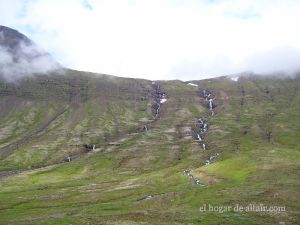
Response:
column 236, row 168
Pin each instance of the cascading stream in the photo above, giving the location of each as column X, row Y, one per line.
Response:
column 200, row 131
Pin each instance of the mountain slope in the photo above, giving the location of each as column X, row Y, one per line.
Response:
column 109, row 185
column 52, row 174
column 79, row 109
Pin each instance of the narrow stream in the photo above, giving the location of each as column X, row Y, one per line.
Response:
column 200, row 131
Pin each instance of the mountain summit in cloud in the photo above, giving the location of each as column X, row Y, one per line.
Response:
column 19, row 56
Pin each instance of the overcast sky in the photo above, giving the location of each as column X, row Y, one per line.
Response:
column 163, row 39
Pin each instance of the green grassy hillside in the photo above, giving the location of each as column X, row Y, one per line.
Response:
column 135, row 176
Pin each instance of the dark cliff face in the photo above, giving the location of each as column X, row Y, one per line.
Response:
column 20, row 56
column 11, row 38
column 18, row 45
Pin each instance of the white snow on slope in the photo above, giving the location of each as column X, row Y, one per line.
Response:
column 195, row 85
column 234, row 78
column 163, row 100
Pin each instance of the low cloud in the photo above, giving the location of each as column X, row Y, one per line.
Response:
column 278, row 60
column 162, row 39
column 25, row 59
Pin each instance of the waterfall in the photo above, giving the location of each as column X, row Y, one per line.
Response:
column 210, row 104
column 200, row 121
column 199, row 138
column 197, row 181
column 94, row 147
column 204, row 146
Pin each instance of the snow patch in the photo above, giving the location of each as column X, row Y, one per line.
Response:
column 234, row 78
column 195, row 85
column 163, row 100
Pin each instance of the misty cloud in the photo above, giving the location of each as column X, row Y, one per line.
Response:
column 162, row 39
column 285, row 59
column 23, row 59
column 205, row 68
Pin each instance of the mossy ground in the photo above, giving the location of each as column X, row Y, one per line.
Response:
column 106, row 187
